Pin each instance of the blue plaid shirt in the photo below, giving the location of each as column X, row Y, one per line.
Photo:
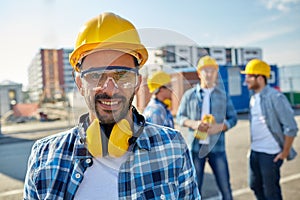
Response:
column 158, row 167
column 157, row 112
column 221, row 108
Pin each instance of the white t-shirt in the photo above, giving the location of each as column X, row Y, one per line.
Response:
column 101, row 179
column 262, row 139
column 206, row 108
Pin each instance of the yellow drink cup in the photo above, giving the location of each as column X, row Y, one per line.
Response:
column 208, row 118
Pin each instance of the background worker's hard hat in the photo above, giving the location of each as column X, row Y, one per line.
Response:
column 207, row 61
column 257, row 67
column 157, row 80
column 108, row 32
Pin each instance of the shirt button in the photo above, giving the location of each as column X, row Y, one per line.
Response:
column 77, row 175
column 162, row 196
column 88, row 161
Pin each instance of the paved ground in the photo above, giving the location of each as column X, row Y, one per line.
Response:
column 237, row 140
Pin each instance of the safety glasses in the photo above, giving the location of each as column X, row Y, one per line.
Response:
column 121, row 76
column 252, row 75
column 208, row 70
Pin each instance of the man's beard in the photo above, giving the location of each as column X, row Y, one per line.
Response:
column 114, row 116
column 254, row 86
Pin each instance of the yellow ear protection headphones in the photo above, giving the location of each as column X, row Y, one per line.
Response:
column 121, row 137
column 118, row 142
column 168, row 103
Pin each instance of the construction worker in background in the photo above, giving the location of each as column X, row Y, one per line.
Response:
column 272, row 127
column 157, row 111
column 112, row 153
column 208, row 112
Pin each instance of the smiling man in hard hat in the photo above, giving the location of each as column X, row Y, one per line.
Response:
column 157, row 111
column 208, row 112
column 112, row 153
column 273, row 128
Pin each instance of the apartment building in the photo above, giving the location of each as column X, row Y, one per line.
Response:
column 50, row 75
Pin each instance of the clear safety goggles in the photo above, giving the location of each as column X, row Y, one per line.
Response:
column 122, row 77
column 208, row 70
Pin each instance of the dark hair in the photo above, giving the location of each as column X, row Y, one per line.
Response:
column 158, row 89
column 265, row 78
column 136, row 62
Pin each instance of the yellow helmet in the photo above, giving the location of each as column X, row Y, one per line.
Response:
column 207, row 61
column 108, row 31
column 157, row 80
column 257, row 67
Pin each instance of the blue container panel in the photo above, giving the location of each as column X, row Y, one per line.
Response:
column 240, row 102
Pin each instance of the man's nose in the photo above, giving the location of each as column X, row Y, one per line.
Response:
column 110, row 82
column 109, row 87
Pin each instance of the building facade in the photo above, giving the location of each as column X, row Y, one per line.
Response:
column 10, row 95
column 184, row 56
column 67, row 72
column 50, row 75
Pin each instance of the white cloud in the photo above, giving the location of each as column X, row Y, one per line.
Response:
column 281, row 5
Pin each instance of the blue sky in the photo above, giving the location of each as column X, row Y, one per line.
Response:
column 273, row 25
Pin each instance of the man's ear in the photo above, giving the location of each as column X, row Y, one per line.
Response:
column 79, row 84
column 138, row 84
column 199, row 74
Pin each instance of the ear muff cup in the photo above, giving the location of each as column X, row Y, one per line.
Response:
column 93, row 139
column 118, row 141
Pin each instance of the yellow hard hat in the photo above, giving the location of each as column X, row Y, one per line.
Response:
column 257, row 67
column 207, row 61
column 108, row 31
column 157, row 80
